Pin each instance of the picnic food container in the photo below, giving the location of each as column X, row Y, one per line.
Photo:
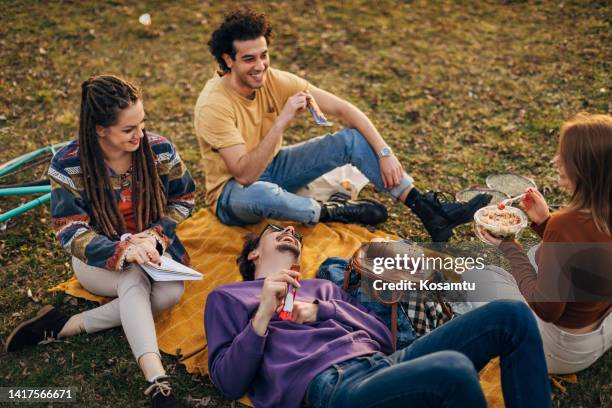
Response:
column 505, row 223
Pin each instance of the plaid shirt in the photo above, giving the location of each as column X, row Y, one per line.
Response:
column 72, row 215
column 424, row 312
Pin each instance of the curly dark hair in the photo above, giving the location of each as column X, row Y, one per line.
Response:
column 241, row 25
column 247, row 267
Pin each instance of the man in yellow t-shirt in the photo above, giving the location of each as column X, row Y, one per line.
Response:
column 240, row 117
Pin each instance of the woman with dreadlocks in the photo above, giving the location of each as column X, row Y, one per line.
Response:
column 118, row 194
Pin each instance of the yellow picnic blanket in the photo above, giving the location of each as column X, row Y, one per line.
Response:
column 213, row 248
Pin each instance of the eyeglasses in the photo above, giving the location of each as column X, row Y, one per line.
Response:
column 278, row 228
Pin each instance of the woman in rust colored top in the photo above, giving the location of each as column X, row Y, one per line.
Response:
column 566, row 279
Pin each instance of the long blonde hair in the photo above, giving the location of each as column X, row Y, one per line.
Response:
column 585, row 149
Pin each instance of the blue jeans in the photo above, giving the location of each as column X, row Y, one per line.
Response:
column 273, row 195
column 441, row 368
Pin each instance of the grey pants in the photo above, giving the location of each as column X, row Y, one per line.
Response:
column 565, row 352
column 137, row 299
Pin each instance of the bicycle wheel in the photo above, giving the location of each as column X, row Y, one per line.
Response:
column 29, row 169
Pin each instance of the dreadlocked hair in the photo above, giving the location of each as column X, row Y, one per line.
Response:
column 103, row 98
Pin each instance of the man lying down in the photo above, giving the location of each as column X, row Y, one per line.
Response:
column 335, row 353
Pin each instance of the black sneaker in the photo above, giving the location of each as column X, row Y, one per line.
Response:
column 366, row 211
column 440, row 216
column 46, row 325
column 339, row 197
column 160, row 393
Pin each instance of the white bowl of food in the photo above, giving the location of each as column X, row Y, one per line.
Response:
column 501, row 222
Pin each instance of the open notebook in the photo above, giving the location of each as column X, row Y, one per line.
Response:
column 170, row 270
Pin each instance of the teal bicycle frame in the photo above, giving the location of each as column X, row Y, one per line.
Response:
column 15, row 164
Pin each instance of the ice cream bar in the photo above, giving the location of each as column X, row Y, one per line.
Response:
column 316, row 112
column 286, row 312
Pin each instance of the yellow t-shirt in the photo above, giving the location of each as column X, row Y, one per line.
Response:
column 223, row 118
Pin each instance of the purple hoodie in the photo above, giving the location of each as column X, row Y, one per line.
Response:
column 277, row 368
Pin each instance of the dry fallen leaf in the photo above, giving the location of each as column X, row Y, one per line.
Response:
column 558, row 385
column 31, row 296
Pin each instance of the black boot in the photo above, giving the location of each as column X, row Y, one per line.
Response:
column 440, row 216
column 341, row 209
column 160, row 393
column 46, row 325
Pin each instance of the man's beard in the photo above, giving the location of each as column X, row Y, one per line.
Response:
column 288, row 248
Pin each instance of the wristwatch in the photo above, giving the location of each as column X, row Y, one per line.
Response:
column 385, row 152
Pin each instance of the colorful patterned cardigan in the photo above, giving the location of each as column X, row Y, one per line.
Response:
column 72, row 215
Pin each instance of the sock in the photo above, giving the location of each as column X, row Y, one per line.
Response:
column 155, row 378
column 411, row 198
column 72, row 327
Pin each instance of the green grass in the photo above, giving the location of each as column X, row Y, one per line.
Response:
column 460, row 90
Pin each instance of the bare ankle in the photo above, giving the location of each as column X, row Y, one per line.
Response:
column 404, row 194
